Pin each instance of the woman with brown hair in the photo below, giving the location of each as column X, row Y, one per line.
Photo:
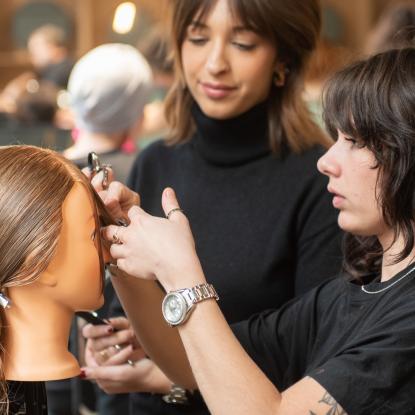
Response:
column 51, row 266
column 241, row 157
column 347, row 346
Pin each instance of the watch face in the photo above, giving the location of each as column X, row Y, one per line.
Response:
column 174, row 308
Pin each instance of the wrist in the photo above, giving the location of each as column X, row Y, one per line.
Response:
column 183, row 277
column 159, row 382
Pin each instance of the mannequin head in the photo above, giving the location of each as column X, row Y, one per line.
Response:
column 47, row 206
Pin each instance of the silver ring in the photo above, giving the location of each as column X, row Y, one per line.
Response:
column 172, row 211
column 115, row 239
column 105, row 179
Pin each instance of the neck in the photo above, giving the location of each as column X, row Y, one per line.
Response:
column 235, row 140
column 391, row 250
column 98, row 142
column 35, row 337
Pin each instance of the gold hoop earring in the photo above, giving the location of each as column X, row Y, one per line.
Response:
column 278, row 78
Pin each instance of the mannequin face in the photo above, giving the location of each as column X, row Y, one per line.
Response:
column 73, row 276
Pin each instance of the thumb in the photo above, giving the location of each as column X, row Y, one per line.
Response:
column 171, row 205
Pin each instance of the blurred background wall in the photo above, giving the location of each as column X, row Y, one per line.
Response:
column 89, row 23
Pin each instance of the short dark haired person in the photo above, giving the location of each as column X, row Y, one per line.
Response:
column 348, row 346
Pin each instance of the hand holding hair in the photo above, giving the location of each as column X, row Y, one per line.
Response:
column 117, row 197
column 152, row 247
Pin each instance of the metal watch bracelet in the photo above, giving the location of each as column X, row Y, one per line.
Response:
column 177, row 396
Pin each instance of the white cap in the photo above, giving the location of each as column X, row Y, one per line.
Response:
column 108, row 88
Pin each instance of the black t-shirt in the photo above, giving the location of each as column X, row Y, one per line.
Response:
column 360, row 347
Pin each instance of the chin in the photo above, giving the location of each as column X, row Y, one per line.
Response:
column 217, row 111
column 220, row 109
column 354, row 227
column 92, row 303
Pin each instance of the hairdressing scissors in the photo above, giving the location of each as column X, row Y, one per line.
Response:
column 95, row 166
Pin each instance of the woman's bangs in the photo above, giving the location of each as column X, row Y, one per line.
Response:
column 345, row 108
column 251, row 16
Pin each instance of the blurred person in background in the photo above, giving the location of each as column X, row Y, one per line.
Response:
column 29, row 111
column 155, row 48
column 14, row 89
column 108, row 90
column 395, row 28
column 49, row 54
column 37, row 104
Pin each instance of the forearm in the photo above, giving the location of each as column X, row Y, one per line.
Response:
column 141, row 301
column 228, row 379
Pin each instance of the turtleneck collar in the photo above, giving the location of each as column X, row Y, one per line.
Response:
column 235, row 140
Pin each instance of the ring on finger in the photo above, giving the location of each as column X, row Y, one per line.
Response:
column 105, row 178
column 170, row 212
column 115, row 239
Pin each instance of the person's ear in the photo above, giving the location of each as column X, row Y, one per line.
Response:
column 278, row 77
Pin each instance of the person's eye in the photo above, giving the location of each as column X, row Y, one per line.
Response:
column 198, row 41
column 350, row 140
column 244, row 46
column 353, row 142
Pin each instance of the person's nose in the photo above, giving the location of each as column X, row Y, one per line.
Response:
column 328, row 163
column 217, row 61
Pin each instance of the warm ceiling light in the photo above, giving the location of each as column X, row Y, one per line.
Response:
column 124, row 17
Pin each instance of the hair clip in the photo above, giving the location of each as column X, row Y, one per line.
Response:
column 5, row 302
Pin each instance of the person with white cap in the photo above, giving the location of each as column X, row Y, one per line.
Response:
column 108, row 89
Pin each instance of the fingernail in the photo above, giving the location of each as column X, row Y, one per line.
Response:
column 168, row 193
column 110, row 330
column 82, row 375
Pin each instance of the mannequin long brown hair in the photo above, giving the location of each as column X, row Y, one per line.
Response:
column 34, row 183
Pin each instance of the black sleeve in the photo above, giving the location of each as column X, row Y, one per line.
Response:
column 319, row 237
column 279, row 341
column 375, row 374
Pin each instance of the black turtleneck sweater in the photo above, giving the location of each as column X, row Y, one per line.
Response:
column 264, row 226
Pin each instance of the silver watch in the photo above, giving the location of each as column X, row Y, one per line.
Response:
column 177, row 305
